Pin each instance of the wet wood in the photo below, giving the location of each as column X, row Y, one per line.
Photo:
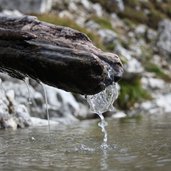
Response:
column 56, row 55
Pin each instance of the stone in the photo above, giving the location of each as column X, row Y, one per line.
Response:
column 163, row 42
column 97, row 8
column 151, row 35
column 61, row 103
column 140, row 30
column 132, row 65
column 107, row 35
column 92, row 25
column 24, row 119
column 153, row 83
column 27, row 6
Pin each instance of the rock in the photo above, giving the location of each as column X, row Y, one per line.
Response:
column 66, row 14
column 92, row 25
column 107, row 35
column 61, row 104
column 42, row 122
column 12, row 115
column 164, row 38
column 120, row 4
column 117, row 22
column 86, row 4
column 24, row 119
column 132, row 66
column 153, row 83
column 140, row 30
column 12, row 13
column 28, row 6
column 160, row 105
column 119, row 115
column 97, row 8
column 151, row 35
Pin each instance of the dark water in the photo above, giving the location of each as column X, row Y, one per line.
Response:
column 133, row 144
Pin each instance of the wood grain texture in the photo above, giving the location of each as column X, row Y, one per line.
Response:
column 56, row 55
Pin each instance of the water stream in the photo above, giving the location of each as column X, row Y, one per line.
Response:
column 26, row 81
column 103, row 102
column 46, row 102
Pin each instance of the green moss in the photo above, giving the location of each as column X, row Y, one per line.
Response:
column 154, row 18
column 103, row 22
column 132, row 3
column 158, row 71
column 108, row 5
column 53, row 19
column 110, row 47
column 133, row 15
column 131, row 92
column 164, row 8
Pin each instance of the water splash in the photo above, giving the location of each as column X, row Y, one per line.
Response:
column 102, row 102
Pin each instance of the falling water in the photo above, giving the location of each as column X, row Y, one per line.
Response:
column 102, row 102
column 26, row 80
column 46, row 101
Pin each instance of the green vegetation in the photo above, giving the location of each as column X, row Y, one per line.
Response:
column 103, row 22
column 53, row 19
column 131, row 92
column 158, row 71
column 133, row 15
column 155, row 11
column 154, row 18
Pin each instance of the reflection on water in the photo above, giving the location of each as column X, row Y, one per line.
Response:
column 143, row 144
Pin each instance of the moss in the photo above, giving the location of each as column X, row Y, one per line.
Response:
column 154, row 18
column 158, row 71
column 103, row 22
column 108, row 5
column 131, row 92
column 132, row 3
column 133, row 15
column 164, row 8
column 53, row 19
column 110, row 47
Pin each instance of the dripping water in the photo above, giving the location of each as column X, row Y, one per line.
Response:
column 26, row 80
column 102, row 125
column 46, row 102
column 1, row 86
column 102, row 102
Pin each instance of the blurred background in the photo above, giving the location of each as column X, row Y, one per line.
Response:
column 139, row 31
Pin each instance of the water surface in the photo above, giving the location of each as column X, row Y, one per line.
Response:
column 133, row 144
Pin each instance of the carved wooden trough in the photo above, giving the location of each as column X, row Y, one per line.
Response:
column 56, row 55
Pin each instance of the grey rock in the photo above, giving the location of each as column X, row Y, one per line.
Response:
column 97, row 8
column 27, row 6
column 92, row 25
column 164, row 38
column 107, row 35
column 151, row 35
column 140, row 30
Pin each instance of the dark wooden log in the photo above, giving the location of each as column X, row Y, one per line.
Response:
column 56, row 55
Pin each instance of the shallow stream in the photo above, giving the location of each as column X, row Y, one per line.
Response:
column 133, row 144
